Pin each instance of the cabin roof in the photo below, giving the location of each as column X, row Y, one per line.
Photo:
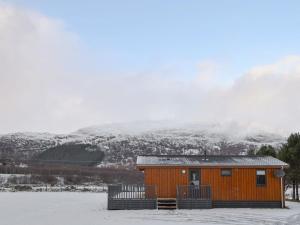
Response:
column 209, row 160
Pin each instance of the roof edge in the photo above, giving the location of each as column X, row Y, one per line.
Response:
column 254, row 156
column 219, row 165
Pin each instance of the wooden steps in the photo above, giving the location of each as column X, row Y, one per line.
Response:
column 166, row 203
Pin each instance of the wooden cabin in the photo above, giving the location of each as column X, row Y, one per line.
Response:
column 193, row 181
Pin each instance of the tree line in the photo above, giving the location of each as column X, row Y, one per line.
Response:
column 289, row 152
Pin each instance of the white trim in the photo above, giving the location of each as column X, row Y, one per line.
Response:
column 260, row 172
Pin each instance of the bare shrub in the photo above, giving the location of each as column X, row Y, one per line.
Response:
column 22, row 188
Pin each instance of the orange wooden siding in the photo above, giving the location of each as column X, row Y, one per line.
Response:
column 241, row 185
column 166, row 180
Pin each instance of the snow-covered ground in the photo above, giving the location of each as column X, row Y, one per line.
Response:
column 289, row 193
column 31, row 208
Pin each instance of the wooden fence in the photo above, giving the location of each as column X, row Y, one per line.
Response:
column 193, row 192
column 194, row 197
column 132, row 197
column 132, row 192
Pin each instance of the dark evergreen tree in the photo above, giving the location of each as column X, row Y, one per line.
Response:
column 290, row 153
column 267, row 150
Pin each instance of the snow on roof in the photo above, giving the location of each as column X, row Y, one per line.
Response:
column 209, row 160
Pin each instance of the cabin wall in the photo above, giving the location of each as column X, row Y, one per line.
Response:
column 240, row 186
column 166, row 180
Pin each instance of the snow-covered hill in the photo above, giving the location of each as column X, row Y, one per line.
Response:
column 121, row 143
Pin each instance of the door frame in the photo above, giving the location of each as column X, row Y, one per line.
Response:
column 198, row 170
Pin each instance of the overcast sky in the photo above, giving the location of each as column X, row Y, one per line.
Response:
column 66, row 65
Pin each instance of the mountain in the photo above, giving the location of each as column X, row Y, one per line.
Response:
column 121, row 143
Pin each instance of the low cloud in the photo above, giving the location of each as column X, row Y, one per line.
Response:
column 266, row 96
column 46, row 85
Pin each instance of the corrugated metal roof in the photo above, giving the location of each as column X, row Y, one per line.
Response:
column 210, row 160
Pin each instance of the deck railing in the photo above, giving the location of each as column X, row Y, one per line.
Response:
column 132, row 192
column 201, row 192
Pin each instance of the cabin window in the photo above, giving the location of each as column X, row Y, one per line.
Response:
column 260, row 177
column 226, row 172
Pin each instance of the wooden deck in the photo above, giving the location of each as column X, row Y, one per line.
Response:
column 145, row 197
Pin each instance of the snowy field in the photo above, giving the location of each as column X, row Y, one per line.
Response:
column 62, row 208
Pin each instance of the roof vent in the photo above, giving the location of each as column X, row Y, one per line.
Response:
column 205, row 158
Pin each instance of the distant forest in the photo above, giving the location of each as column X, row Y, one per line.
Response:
column 79, row 154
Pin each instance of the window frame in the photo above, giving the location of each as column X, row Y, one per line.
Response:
column 265, row 175
column 226, row 175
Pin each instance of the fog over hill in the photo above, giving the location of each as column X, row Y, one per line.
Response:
column 121, row 143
